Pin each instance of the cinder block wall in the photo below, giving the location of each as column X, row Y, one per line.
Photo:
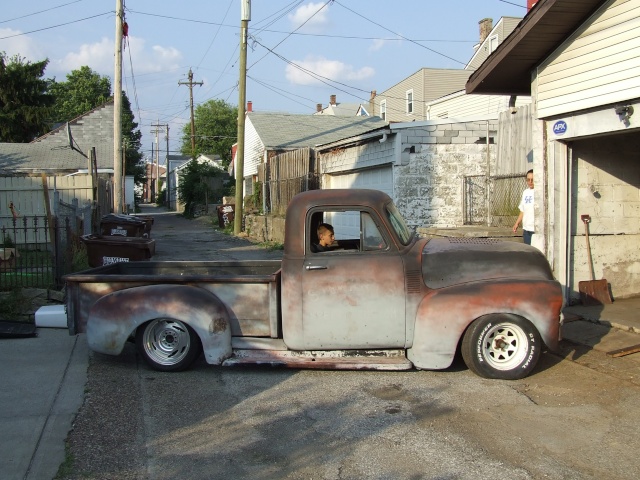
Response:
column 265, row 228
column 429, row 187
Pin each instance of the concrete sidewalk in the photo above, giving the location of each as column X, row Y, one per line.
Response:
column 43, row 381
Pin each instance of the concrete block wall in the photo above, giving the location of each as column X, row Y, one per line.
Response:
column 429, row 189
column 265, row 228
column 606, row 186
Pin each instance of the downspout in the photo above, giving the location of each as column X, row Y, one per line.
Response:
column 488, row 179
column 545, row 189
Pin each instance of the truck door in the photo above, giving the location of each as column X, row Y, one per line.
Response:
column 353, row 296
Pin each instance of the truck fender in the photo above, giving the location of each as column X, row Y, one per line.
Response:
column 444, row 315
column 115, row 316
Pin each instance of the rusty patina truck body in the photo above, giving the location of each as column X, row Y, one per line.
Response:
column 380, row 299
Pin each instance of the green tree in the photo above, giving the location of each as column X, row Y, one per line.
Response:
column 24, row 101
column 83, row 91
column 194, row 187
column 132, row 144
column 216, row 124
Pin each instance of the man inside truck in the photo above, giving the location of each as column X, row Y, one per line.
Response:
column 326, row 238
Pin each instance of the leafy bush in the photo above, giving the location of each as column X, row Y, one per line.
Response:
column 194, row 186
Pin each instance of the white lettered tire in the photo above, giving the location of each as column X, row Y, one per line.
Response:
column 501, row 346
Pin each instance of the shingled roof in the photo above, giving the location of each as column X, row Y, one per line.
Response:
column 290, row 131
column 52, row 153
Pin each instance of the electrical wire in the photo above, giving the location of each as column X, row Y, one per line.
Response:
column 39, row 12
column 216, row 34
column 59, row 25
column 399, row 35
column 288, row 35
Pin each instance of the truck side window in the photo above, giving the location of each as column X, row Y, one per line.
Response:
column 372, row 239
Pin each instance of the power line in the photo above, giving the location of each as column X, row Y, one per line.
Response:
column 399, row 35
column 348, row 37
column 288, row 35
column 59, row 25
column 39, row 12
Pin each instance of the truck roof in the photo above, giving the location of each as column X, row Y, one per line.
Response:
column 303, row 202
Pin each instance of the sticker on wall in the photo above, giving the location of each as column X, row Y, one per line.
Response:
column 560, row 127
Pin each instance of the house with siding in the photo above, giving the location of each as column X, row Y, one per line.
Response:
column 406, row 100
column 460, row 104
column 60, row 160
column 342, row 109
column 268, row 134
column 579, row 62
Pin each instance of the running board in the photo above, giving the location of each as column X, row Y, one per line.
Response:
column 321, row 359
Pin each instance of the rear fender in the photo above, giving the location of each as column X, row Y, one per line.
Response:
column 444, row 314
column 114, row 317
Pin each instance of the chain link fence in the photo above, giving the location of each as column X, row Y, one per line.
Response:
column 492, row 201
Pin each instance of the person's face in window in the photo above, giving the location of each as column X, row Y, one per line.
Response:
column 326, row 238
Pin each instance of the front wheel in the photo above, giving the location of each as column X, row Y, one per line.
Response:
column 167, row 345
column 505, row 347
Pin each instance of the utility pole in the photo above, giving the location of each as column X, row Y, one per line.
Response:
column 191, row 83
column 245, row 16
column 156, row 130
column 117, row 113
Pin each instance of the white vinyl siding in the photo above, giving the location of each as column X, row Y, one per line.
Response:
column 598, row 65
column 463, row 106
column 254, row 150
column 503, row 28
column 375, row 178
column 427, row 84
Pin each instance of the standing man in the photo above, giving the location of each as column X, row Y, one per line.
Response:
column 526, row 211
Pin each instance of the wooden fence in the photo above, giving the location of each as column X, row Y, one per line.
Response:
column 47, row 195
column 286, row 175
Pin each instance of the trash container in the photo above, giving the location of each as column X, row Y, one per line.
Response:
column 148, row 223
column 106, row 249
column 225, row 215
column 122, row 226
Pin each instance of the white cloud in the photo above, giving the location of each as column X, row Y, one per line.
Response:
column 331, row 69
column 377, row 45
column 21, row 45
column 99, row 57
column 305, row 13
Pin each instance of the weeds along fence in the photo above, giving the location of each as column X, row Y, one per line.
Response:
column 37, row 251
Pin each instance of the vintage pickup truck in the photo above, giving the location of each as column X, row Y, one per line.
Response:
column 381, row 299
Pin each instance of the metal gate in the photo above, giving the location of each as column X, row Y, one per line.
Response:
column 492, row 201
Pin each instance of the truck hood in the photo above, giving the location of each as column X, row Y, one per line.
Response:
column 451, row 261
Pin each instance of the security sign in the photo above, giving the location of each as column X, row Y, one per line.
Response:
column 560, row 127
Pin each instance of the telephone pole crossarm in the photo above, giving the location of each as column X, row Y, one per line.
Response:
column 190, row 84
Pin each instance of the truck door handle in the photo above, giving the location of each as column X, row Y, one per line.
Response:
column 315, row 267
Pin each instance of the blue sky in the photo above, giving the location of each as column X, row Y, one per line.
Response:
column 352, row 47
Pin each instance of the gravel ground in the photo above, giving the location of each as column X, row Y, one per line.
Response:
column 566, row 421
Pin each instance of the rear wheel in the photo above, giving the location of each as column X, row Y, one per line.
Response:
column 501, row 346
column 168, row 345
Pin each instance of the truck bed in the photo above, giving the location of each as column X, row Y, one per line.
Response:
column 250, row 289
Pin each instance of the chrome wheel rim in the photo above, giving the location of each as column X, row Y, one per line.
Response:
column 166, row 342
column 505, row 346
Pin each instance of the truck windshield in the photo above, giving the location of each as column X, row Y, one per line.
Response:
column 398, row 224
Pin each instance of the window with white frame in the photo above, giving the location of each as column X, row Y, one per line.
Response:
column 409, row 102
column 493, row 43
column 383, row 109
